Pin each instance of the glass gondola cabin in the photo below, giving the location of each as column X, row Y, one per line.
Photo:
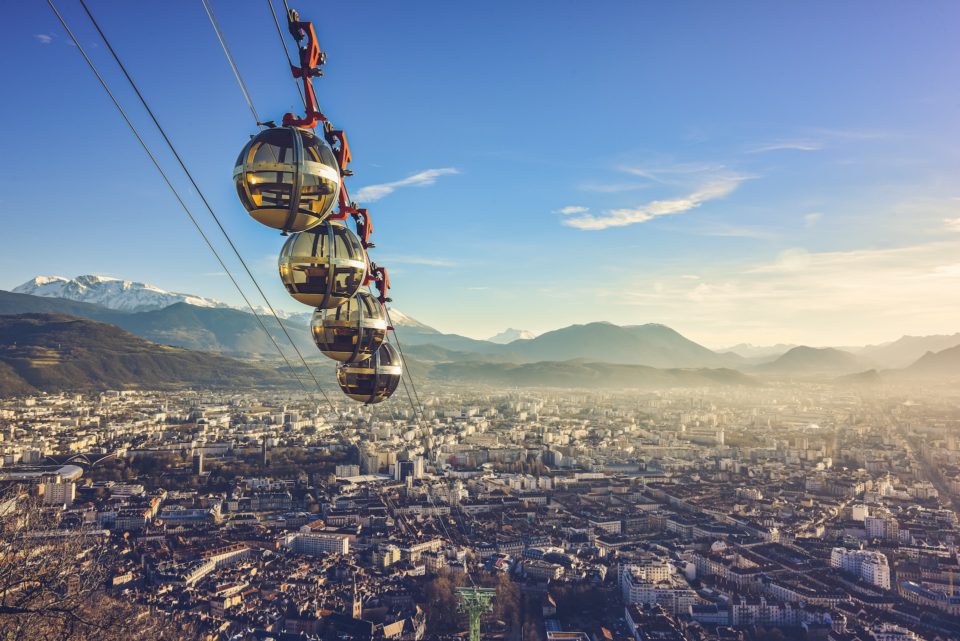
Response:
column 287, row 178
column 373, row 380
column 351, row 332
column 323, row 266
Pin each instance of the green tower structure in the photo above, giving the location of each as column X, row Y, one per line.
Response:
column 476, row 602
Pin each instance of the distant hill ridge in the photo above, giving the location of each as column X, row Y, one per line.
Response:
column 805, row 360
column 509, row 335
column 945, row 363
column 214, row 327
column 53, row 352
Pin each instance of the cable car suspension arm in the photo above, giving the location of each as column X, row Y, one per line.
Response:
column 311, row 59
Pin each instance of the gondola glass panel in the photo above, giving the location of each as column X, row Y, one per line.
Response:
column 373, row 380
column 323, row 266
column 353, row 331
column 287, row 178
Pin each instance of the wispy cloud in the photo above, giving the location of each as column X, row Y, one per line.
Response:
column 838, row 133
column 816, row 297
column 815, row 139
column 811, row 219
column 674, row 173
column 571, row 209
column 425, row 178
column 787, row 145
column 735, row 231
column 429, row 261
column 44, row 38
column 717, row 188
column 953, row 224
column 611, row 188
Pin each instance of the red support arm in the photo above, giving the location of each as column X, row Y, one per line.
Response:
column 381, row 279
column 337, row 138
column 364, row 227
column 311, row 58
column 341, row 149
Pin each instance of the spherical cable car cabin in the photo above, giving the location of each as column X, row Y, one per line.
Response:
column 287, row 178
column 373, row 380
column 353, row 331
column 323, row 266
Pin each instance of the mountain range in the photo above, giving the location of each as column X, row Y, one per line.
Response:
column 112, row 293
column 907, row 349
column 509, row 335
column 587, row 353
column 53, row 352
column 803, row 360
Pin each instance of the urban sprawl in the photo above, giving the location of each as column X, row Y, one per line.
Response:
column 816, row 511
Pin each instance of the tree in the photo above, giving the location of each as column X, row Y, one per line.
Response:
column 769, row 634
column 506, row 605
column 52, row 582
column 441, row 604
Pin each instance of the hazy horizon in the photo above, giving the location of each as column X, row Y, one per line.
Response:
column 715, row 347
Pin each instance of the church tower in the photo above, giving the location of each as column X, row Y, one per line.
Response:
column 357, row 601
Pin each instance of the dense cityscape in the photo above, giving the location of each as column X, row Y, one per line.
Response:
column 796, row 510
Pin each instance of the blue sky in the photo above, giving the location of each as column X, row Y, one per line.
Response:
column 754, row 171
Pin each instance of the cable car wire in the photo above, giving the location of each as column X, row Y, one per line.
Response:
column 417, row 407
column 403, row 358
column 173, row 189
column 416, row 415
column 206, row 203
column 236, row 71
column 230, row 59
column 283, row 45
column 419, row 418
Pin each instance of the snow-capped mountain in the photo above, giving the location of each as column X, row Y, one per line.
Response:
column 399, row 319
column 129, row 296
column 114, row 293
column 748, row 350
column 510, row 335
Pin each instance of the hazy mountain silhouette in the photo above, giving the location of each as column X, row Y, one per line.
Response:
column 651, row 345
column 806, row 361
column 211, row 329
column 580, row 374
column 510, row 334
column 52, row 352
column 751, row 351
column 907, row 349
column 942, row 364
column 234, row 332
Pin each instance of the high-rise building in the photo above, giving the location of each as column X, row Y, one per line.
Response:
column 869, row 565
column 653, row 582
column 409, row 469
column 347, row 470
column 317, row 543
column 58, row 491
column 882, row 526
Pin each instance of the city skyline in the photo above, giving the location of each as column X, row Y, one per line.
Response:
column 759, row 174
